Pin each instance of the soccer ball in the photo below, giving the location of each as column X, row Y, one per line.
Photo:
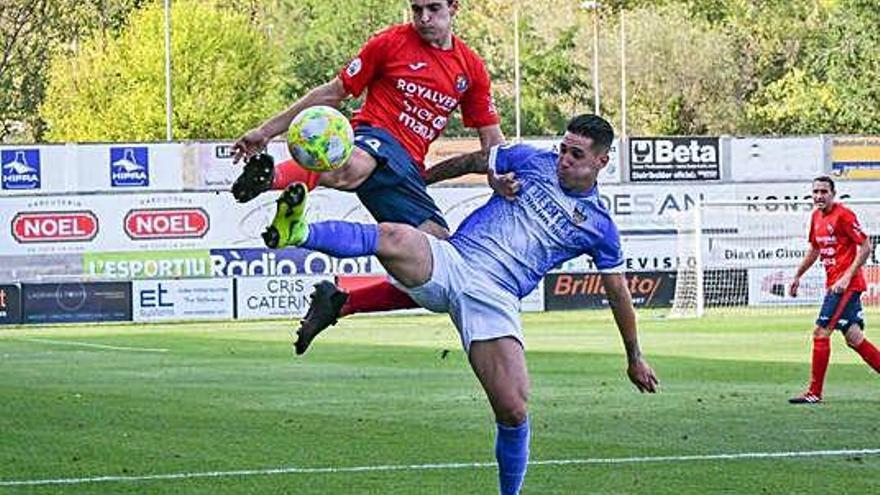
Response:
column 320, row 139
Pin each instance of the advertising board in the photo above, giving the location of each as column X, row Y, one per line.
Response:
column 195, row 299
column 274, row 297
column 70, row 302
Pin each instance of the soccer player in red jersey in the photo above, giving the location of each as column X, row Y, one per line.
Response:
column 414, row 75
column 838, row 240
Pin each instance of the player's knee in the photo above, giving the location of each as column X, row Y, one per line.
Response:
column 854, row 336
column 513, row 410
column 394, row 239
column 351, row 175
column 821, row 332
column 512, row 414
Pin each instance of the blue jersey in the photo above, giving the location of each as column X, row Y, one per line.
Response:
column 517, row 242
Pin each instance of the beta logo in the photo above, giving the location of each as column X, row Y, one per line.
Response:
column 130, row 167
column 21, row 169
column 674, row 151
column 166, row 223
column 54, row 226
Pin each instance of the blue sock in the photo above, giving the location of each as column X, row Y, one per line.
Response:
column 512, row 453
column 342, row 239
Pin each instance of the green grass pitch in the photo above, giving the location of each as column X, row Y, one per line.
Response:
column 130, row 401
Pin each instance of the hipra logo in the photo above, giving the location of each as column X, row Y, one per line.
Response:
column 130, row 167
column 166, row 223
column 21, row 169
column 54, row 226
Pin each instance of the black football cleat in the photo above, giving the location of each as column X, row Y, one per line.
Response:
column 327, row 302
column 806, row 398
column 256, row 178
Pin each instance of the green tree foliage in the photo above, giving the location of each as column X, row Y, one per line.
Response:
column 833, row 88
column 113, row 87
column 679, row 75
column 31, row 31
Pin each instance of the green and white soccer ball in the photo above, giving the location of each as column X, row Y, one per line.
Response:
column 320, row 139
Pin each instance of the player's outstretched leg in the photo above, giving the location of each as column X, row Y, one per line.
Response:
column 288, row 228
column 256, row 177
column 324, row 310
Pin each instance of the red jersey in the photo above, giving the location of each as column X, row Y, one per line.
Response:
column 836, row 235
column 412, row 87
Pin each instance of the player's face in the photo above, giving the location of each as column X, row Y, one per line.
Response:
column 823, row 196
column 579, row 163
column 433, row 20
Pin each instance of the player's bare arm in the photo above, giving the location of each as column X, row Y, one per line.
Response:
column 490, row 135
column 638, row 370
column 330, row 94
column 809, row 258
column 468, row 163
column 862, row 254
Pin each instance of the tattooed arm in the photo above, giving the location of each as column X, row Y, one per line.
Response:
column 469, row 163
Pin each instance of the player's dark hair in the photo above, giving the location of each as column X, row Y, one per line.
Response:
column 593, row 127
column 827, row 180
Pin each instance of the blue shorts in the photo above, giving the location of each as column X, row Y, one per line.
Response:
column 395, row 191
column 841, row 310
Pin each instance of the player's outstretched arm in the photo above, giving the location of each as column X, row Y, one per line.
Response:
column 638, row 370
column 450, row 168
column 329, row 94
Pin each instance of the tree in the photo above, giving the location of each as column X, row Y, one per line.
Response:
column 833, row 87
column 225, row 77
column 31, row 31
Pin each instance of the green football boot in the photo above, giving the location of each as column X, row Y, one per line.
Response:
column 289, row 227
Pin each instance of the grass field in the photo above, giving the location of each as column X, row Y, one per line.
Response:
column 376, row 408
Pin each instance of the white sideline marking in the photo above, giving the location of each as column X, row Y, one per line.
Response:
column 453, row 465
column 97, row 346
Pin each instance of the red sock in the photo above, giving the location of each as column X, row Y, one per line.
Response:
column 821, row 355
column 870, row 354
column 289, row 171
column 378, row 296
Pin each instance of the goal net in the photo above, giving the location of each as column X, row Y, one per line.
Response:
column 744, row 255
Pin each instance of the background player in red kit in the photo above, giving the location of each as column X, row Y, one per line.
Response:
column 838, row 240
column 415, row 75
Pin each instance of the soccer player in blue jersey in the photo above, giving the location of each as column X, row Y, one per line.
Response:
column 498, row 255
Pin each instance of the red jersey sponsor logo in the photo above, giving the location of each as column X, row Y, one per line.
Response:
column 167, row 223
column 54, row 226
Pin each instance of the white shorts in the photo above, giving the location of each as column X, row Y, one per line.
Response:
column 479, row 308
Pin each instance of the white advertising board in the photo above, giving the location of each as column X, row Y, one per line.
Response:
column 133, row 167
column 776, row 159
column 74, row 168
column 769, row 287
column 214, row 169
column 274, row 297
column 193, row 299
column 36, row 169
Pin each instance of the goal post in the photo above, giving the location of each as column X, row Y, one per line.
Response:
column 741, row 257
